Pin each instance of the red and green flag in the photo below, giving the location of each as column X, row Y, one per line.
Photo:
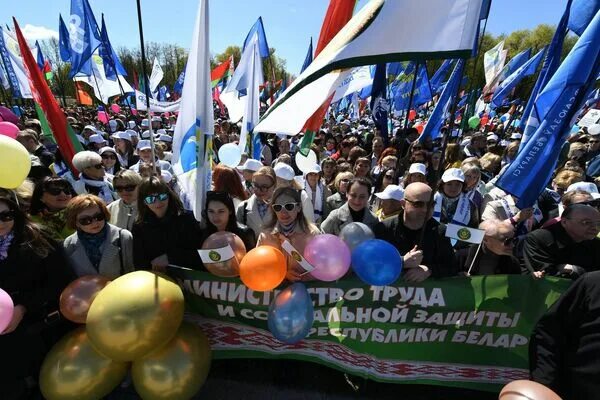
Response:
column 45, row 100
column 312, row 126
column 338, row 14
column 221, row 71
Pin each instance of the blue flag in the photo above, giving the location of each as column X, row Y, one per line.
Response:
column 178, row 86
column 263, row 46
column 515, row 63
column 110, row 60
column 513, row 80
column 439, row 75
column 40, row 57
column 582, row 12
column 442, row 107
column 379, row 103
column 557, row 104
column 309, row 57
column 399, row 67
column 401, row 89
column 10, row 71
column 551, row 63
column 84, row 37
column 163, row 92
column 64, row 42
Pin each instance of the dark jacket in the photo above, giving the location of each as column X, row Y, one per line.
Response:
column 35, row 283
column 45, row 156
column 177, row 236
column 488, row 263
column 438, row 254
column 245, row 233
column 549, row 248
column 564, row 346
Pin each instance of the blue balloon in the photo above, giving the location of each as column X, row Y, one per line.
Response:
column 291, row 314
column 503, row 118
column 16, row 110
column 377, row 262
column 492, row 114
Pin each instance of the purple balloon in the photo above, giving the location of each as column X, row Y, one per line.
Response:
column 329, row 255
column 6, row 310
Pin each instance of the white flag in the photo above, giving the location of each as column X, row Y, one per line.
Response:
column 16, row 64
column 104, row 88
column 156, row 76
column 493, row 62
column 193, row 133
column 254, row 79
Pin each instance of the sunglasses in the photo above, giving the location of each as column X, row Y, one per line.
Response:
column 97, row 166
column 261, row 187
column 344, row 180
column 108, row 157
column 7, row 216
column 126, row 188
column 153, row 198
column 287, row 206
column 84, row 221
column 417, row 203
column 55, row 190
column 509, row 240
column 388, row 176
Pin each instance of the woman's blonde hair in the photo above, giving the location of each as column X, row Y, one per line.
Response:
column 342, row 175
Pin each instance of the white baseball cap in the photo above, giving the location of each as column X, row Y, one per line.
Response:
column 145, row 123
column 144, row 144
column 493, row 137
column 251, row 165
column 131, row 124
column 417, row 168
column 516, row 136
column 107, row 149
column 146, row 135
column 314, row 169
column 131, row 132
column 97, row 138
column 589, row 187
column 156, row 119
column 284, row 171
column 161, row 132
column 453, row 174
column 391, row 192
column 90, row 127
column 165, row 138
column 121, row 135
column 112, row 125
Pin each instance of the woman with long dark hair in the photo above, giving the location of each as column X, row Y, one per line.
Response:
column 226, row 179
column 50, row 198
column 33, row 271
column 164, row 232
column 219, row 212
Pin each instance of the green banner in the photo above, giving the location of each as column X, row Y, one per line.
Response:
column 463, row 332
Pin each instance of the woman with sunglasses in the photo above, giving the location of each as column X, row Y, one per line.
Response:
column 34, row 272
column 356, row 209
column 220, row 217
column 290, row 225
column 110, row 160
column 92, row 177
column 49, row 200
column 341, row 182
column 97, row 247
column 255, row 212
column 164, row 233
column 386, row 177
column 124, row 211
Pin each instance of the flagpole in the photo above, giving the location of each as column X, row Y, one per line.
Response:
column 146, row 86
column 430, row 90
column 412, row 92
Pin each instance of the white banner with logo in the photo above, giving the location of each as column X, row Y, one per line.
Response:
column 155, row 105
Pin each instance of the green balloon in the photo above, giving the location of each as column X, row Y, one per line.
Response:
column 474, row 121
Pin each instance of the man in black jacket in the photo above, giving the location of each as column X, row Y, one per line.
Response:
column 564, row 347
column 432, row 256
column 569, row 247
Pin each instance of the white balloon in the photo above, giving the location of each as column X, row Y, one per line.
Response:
column 230, row 155
column 594, row 129
column 306, row 163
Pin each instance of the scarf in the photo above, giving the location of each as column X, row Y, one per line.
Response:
column 286, row 230
column 317, row 199
column 262, row 208
column 104, row 191
column 5, row 242
column 462, row 213
column 92, row 244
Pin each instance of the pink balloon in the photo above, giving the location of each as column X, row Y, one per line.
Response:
column 103, row 117
column 166, row 114
column 1, row 119
column 115, row 108
column 6, row 310
column 329, row 255
column 134, row 111
column 9, row 129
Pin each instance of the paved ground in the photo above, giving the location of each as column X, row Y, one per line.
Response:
column 296, row 380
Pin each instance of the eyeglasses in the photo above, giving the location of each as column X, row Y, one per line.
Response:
column 594, row 141
column 97, row 166
column 7, row 216
column 287, row 206
column 126, row 188
column 507, row 241
column 85, row 221
column 56, row 190
column 261, row 187
column 417, row 203
column 153, row 198
column 344, row 180
column 586, row 223
column 108, row 157
column 388, row 176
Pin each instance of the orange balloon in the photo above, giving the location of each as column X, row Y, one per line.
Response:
column 76, row 299
column 227, row 268
column 263, row 268
column 527, row 390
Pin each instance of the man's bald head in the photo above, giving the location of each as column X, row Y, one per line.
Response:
column 418, row 191
column 416, row 203
column 581, row 222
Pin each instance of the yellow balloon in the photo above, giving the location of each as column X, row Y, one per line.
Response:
column 73, row 369
column 14, row 163
column 135, row 314
column 177, row 370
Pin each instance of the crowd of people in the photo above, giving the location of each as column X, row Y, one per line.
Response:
column 126, row 211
